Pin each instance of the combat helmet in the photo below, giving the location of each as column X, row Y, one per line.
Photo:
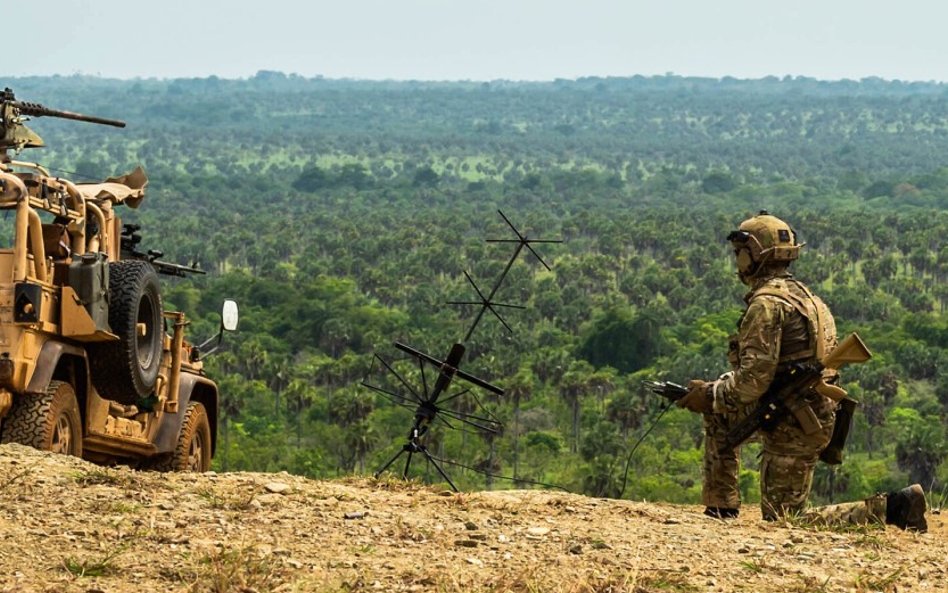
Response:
column 762, row 242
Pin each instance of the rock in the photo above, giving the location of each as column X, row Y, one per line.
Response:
column 278, row 488
column 576, row 549
column 538, row 531
column 355, row 515
column 475, row 561
column 470, row 525
column 466, row 543
column 269, row 499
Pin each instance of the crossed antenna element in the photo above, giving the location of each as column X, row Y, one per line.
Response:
column 436, row 403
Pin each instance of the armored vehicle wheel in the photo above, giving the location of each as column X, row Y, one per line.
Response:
column 193, row 451
column 49, row 421
column 125, row 371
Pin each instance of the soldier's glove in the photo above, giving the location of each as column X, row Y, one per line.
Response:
column 698, row 399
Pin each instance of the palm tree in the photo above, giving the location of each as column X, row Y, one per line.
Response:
column 519, row 389
column 575, row 383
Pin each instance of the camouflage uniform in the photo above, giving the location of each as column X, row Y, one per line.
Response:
column 864, row 512
column 784, row 322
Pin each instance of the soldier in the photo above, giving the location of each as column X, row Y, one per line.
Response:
column 784, row 322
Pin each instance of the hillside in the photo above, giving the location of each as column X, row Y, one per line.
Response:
column 67, row 525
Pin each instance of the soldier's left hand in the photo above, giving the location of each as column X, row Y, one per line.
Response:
column 698, row 399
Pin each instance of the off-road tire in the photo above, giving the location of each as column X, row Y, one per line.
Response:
column 126, row 370
column 193, row 450
column 49, row 421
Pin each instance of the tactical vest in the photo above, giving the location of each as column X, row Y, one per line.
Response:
column 812, row 334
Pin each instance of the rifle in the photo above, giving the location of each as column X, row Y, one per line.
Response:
column 784, row 397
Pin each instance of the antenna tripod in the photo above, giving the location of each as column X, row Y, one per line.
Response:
column 430, row 406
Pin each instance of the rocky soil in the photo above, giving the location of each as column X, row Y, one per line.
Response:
column 67, row 525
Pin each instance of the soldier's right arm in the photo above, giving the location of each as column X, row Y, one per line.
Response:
column 758, row 353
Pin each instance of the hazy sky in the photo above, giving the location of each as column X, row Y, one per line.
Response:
column 480, row 39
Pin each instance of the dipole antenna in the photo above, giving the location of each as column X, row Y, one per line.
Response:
column 429, row 405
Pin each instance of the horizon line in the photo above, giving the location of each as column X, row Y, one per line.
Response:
column 264, row 73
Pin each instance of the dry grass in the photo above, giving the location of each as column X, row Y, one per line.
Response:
column 539, row 579
column 101, row 565
column 226, row 501
column 869, row 582
column 15, row 477
column 235, row 569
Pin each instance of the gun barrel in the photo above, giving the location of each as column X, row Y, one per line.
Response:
column 171, row 269
column 37, row 110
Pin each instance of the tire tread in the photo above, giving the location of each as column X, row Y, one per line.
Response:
column 115, row 367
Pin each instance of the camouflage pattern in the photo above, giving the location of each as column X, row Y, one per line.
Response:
column 783, row 322
column 865, row 512
column 775, row 329
column 719, row 488
column 788, row 462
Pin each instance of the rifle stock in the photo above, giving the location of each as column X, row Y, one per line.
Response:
column 852, row 349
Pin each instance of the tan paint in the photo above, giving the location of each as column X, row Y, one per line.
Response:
column 76, row 321
column 6, row 401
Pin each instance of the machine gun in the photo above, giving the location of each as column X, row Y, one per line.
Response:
column 13, row 114
column 130, row 241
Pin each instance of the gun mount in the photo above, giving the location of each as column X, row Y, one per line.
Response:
column 17, row 136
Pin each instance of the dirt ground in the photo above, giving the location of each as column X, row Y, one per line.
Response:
column 67, row 525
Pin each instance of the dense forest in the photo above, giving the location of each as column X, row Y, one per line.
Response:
column 343, row 216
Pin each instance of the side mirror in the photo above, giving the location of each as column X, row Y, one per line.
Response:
column 229, row 319
column 229, row 316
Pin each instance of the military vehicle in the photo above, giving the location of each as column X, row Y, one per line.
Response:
column 90, row 363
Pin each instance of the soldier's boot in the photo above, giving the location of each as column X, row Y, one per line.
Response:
column 906, row 508
column 721, row 512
